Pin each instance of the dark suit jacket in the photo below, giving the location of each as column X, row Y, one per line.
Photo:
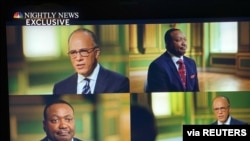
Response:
column 46, row 139
column 107, row 82
column 163, row 75
column 233, row 122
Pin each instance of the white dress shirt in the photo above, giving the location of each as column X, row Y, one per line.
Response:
column 225, row 123
column 92, row 82
column 175, row 59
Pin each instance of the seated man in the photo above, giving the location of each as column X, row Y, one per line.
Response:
column 90, row 77
column 172, row 71
column 221, row 108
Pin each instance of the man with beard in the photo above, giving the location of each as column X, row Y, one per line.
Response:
column 59, row 123
column 172, row 71
column 221, row 109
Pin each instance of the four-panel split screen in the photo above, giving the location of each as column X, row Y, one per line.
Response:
column 127, row 82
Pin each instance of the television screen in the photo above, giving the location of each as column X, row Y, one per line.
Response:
column 129, row 58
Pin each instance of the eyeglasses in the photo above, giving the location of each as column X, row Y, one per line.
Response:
column 82, row 52
column 222, row 109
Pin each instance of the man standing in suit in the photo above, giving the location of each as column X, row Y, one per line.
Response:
column 172, row 71
column 59, row 123
column 84, row 52
column 221, row 109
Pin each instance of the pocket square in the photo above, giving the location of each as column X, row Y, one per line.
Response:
column 192, row 76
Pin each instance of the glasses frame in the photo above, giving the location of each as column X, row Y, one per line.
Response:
column 73, row 53
column 222, row 109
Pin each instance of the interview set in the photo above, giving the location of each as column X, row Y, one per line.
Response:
column 182, row 73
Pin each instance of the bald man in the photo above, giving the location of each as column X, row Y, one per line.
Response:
column 221, row 109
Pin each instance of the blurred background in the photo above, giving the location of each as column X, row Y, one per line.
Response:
column 220, row 49
column 37, row 55
column 104, row 117
column 37, row 58
column 172, row 110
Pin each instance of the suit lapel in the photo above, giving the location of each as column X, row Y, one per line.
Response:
column 188, row 74
column 99, row 86
column 73, row 84
column 174, row 71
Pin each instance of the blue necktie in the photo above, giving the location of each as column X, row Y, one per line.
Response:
column 86, row 88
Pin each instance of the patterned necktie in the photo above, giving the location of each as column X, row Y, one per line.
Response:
column 182, row 72
column 86, row 88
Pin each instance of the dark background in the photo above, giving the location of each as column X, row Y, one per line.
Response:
column 125, row 10
column 225, row 135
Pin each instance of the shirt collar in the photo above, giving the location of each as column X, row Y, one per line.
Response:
column 227, row 121
column 175, row 58
column 92, row 76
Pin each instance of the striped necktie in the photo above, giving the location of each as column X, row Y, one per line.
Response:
column 86, row 87
column 182, row 72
